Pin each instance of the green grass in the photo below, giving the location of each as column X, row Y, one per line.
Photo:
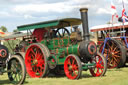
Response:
column 112, row 77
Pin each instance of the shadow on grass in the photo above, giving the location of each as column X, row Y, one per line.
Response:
column 62, row 76
column 125, row 66
column 55, row 76
column 89, row 76
column 118, row 69
column 86, row 76
column 3, row 82
column 115, row 69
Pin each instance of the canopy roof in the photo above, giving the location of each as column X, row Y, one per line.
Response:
column 59, row 23
column 109, row 27
column 9, row 36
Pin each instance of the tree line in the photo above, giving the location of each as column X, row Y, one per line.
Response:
column 13, row 43
column 4, row 29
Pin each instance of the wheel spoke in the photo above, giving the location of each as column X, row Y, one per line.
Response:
column 108, row 45
column 117, row 56
column 73, row 62
column 37, row 69
column 111, row 61
column 30, row 59
column 115, row 60
column 10, row 74
column 40, row 62
column 108, row 59
column 59, row 33
column 75, row 67
column 69, row 62
column 97, row 71
column 64, row 33
column 74, row 73
column 114, row 63
column 115, row 49
column 31, row 50
column 101, row 67
column 38, row 56
column 116, row 52
column 112, row 46
column 32, row 56
column 105, row 51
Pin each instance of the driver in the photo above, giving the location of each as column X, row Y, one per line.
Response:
column 16, row 48
column 52, row 33
column 77, row 30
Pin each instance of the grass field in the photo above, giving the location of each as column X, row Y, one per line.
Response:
column 112, row 77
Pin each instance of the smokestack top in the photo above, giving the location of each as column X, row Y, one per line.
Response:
column 83, row 9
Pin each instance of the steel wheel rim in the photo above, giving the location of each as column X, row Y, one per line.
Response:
column 113, row 54
column 3, row 53
column 99, row 68
column 71, row 67
column 15, row 74
column 64, row 31
column 35, row 62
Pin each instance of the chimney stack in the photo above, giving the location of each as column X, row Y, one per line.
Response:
column 84, row 18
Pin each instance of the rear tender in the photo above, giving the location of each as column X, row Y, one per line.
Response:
column 63, row 52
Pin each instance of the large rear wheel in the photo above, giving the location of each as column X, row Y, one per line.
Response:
column 36, row 60
column 114, row 52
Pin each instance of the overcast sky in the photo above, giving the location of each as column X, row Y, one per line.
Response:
column 18, row 12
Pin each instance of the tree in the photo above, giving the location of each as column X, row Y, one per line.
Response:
column 15, row 30
column 4, row 29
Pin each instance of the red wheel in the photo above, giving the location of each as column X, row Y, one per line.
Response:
column 115, row 53
column 36, row 61
column 101, row 66
column 3, row 52
column 73, row 67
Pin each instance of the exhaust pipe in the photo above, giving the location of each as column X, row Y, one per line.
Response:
column 87, row 48
column 84, row 18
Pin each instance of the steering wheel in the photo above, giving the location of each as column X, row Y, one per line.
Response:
column 62, row 32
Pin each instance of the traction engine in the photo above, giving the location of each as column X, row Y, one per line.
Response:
column 62, row 53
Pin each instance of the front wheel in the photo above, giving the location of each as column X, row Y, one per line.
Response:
column 101, row 65
column 16, row 70
column 72, row 67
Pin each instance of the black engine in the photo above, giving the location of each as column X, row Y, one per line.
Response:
column 87, row 48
